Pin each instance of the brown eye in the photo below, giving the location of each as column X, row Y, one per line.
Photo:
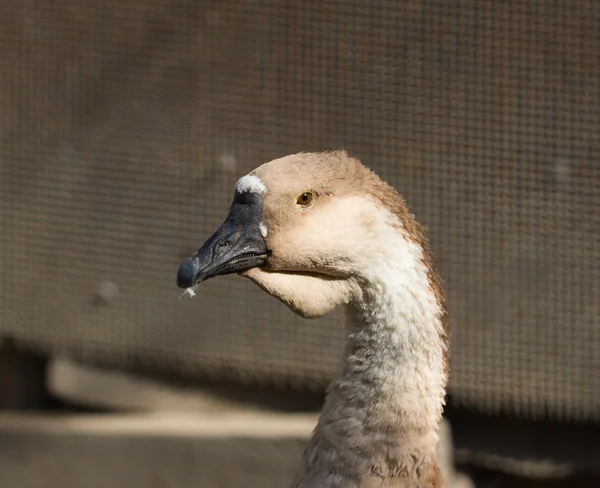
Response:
column 305, row 199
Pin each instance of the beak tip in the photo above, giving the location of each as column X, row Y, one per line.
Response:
column 186, row 275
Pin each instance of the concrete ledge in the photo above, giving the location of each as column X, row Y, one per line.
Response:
column 151, row 451
column 209, row 425
column 115, row 390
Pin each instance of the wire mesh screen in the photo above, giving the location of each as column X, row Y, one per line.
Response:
column 124, row 126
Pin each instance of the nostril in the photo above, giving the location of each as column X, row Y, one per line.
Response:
column 223, row 245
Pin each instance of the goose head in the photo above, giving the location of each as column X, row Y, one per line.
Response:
column 307, row 228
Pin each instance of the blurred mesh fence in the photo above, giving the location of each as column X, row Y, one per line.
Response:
column 125, row 124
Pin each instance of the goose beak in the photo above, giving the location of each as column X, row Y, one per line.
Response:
column 235, row 247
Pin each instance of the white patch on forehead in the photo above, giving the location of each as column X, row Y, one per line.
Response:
column 250, row 183
column 263, row 229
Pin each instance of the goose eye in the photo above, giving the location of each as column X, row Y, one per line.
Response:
column 304, row 199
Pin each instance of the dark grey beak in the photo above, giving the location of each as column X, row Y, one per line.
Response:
column 235, row 247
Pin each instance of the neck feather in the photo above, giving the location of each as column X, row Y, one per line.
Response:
column 382, row 414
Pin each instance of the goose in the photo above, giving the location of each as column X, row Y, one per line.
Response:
column 321, row 230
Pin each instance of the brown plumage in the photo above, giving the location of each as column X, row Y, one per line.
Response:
column 335, row 234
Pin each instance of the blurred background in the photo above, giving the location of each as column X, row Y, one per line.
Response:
column 124, row 126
